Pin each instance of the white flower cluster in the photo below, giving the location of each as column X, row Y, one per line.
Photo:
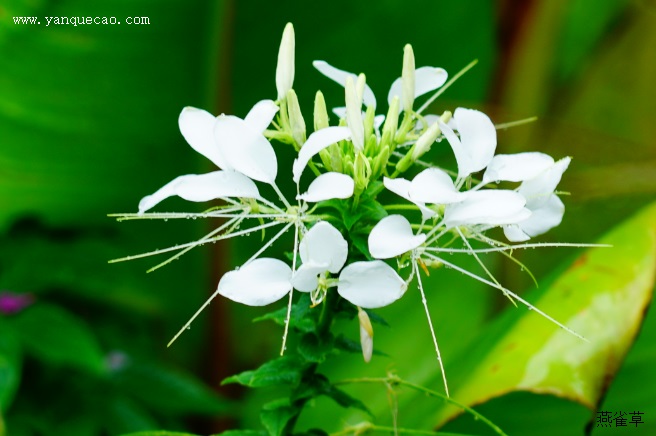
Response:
column 346, row 160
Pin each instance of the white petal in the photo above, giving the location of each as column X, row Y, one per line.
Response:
column 517, row 167
column 544, row 218
column 258, row 283
column 514, row 233
column 197, row 127
column 323, row 244
column 354, row 118
column 328, row 186
column 465, row 165
column 370, row 284
column 538, row 190
column 393, row 236
column 490, row 207
column 478, row 140
column 428, row 79
column 314, row 144
column 401, row 187
column 305, row 278
column 261, row 115
column 246, row 149
column 203, row 187
column 340, row 76
column 340, row 112
column 434, row 186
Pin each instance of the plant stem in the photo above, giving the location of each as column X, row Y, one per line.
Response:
column 393, row 379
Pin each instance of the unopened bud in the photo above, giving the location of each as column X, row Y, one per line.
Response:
column 391, row 122
column 285, row 67
column 369, row 121
column 354, row 114
column 296, row 120
column 361, row 172
column 408, row 78
column 320, row 112
column 425, row 141
column 366, row 335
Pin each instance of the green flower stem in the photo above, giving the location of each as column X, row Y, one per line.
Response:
column 395, row 380
column 365, row 427
column 400, row 207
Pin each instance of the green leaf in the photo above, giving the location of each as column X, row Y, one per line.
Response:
column 242, row 433
column 277, row 414
column 315, row 349
column 284, row 370
column 318, row 384
column 158, row 433
column 603, row 296
column 10, row 365
column 58, row 337
column 123, row 415
column 168, row 390
column 300, row 316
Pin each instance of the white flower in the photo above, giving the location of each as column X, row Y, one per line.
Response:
column 261, row 282
column 488, row 207
column 322, row 249
column 475, row 147
column 392, row 236
column 370, row 284
column 340, row 77
column 233, row 144
column 547, row 209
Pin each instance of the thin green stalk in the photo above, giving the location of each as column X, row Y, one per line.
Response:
column 393, row 379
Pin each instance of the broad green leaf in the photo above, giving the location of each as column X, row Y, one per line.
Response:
column 277, row 414
column 56, row 336
column 315, row 349
column 123, row 415
column 10, row 365
column 242, row 433
column 300, row 318
column 284, row 370
column 603, row 296
column 159, row 433
column 169, row 391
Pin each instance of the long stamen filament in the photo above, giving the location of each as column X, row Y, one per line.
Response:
column 291, row 294
column 197, row 243
column 515, row 296
column 430, row 323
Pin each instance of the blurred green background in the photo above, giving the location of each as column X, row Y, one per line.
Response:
column 88, row 127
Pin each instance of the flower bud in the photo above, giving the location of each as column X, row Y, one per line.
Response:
column 354, row 114
column 391, row 124
column 320, row 112
column 408, row 78
column 361, row 172
column 285, row 68
column 425, row 141
column 366, row 335
column 296, row 120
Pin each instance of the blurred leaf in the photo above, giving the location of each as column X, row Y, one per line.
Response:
column 320, row 385
column 602, row 296
column 584, row 27
column 58, row 337
column 69, row 152
column 10, row 366
column 299, row 319
column 243, row 433
column 277, row 414
column 124, row 415
column 159, row 433
column 283, row 370
column 315, row 349
column 169, row 391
